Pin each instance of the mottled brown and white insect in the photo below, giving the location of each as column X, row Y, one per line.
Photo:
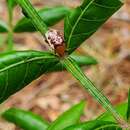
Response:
column 56, row 41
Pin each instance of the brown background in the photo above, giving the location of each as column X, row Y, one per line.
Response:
column 53, row 93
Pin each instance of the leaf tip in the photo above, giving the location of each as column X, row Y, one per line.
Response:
column 82, row 104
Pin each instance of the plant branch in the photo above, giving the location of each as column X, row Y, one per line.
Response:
column 75, row 70
column 33, row 15
column 10, row 40
column 10, row 32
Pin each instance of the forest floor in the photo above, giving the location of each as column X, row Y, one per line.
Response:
column 50, row 95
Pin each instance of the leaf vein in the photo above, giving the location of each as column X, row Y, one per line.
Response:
column 103, row 6
column 67, row 18
column 22, row 62
column 78, row 22
column 74, row 35
column 26, row 72
column 6, row 85
column 93, row 20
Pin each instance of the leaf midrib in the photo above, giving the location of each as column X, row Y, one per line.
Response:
column 23, row 62
column 78, row 22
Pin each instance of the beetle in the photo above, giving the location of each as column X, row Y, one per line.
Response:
column 56, row 41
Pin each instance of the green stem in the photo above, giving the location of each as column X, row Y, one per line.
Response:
column 10, row 41
column 33, row 15
column 10, row 32
column 75, row 70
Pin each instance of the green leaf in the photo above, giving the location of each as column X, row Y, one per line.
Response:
column 128, row 108
column 75, row 70
column 80, row 59
column 121, row 108
column 18, row 69
column 84, row 60
column 3, row 27
column 25, row 119
column 95, row 125
column 68, row 118
column 83, row 21
column 33, row 15
column 49, row 15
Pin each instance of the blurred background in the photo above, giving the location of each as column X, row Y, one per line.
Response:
column 53, row 93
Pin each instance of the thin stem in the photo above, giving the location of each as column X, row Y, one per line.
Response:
column 74, row 69
column 33, row 15
column 10, row 24
column 10, row 41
